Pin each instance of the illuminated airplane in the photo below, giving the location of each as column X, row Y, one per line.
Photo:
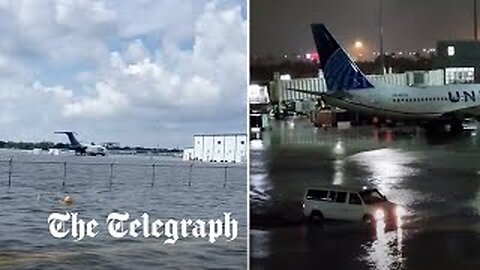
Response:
column 348, row 88
column 83, row 149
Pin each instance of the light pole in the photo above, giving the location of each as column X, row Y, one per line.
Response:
column 475, row 32
column 380, row 34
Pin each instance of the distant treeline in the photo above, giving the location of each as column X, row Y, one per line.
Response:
column 140, row 149
column 50, row 145
column 262, row 69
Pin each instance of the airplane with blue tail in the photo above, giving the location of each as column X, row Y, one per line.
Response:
column 83, row 149
column 350, row 89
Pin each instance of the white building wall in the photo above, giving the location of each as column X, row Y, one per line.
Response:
column 258, row 94
column 241, row 149
column 230, row 148
column 219, row 148
column 208, row 148
column 198, row 147
column 188, row 154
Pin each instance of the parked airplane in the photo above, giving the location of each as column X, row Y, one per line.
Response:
column 348, row 88
column 83, row 149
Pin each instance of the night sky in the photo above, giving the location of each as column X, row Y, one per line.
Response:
column 282, row 26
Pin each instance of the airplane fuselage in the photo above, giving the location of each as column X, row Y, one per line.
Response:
column 83, row 149
column 443, row 102
column 89, row 150
column 94, row 150
column 350, row 89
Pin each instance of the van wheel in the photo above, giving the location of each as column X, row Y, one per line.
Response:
column 316, row 217
column 368, row 219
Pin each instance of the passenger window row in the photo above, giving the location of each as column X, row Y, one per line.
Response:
column 399, row 100
column 333, row 196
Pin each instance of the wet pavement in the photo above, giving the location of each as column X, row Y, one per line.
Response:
column 436, row 178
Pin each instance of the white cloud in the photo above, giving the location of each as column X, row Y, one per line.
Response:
column 113, row 70
column 107, row 101
column 136, row 52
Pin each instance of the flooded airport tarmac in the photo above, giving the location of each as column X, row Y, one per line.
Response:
column 36, row 191
column 435, row 178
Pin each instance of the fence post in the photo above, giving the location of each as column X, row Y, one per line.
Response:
column 111, row 174
column 10, row 172
column 225, row 176
column 190, row 175
column 64, row 173
column 153, row 174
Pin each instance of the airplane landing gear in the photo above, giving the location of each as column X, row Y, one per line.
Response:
column 453, row 127
column 456, row 127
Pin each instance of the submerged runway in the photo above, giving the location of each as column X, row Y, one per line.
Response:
column 436, row 179
column 36, row 190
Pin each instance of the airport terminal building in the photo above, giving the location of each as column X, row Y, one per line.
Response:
column 460, row 59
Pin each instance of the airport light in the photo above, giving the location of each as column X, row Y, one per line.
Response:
column 358, row 49
column 451, row 50
column 358, row 44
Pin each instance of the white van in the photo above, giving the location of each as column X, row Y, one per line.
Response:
column 349, row 204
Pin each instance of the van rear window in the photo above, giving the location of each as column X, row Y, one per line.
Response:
column 318, row 195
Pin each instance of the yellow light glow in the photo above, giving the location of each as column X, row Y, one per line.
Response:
column 358, row 44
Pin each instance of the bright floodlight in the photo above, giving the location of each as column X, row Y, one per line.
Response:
column 358, row 44
column 379, row 214
column 451, row 50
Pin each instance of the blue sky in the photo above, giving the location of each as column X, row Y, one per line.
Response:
column 141, row 72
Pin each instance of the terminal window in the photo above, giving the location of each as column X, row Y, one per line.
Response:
column 451, row 50
column 459, row 75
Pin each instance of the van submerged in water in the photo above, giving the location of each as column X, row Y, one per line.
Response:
column 364, row 204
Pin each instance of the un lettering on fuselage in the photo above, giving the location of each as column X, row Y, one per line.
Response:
column 465, row 96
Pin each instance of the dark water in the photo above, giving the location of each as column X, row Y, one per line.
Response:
column 25, row 241
column 436, row 178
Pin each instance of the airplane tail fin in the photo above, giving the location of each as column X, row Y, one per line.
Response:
column 71, row 137
column 340, row 72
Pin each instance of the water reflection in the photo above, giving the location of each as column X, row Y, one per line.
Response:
column 339, row 149
column 339, row 168
column 388, row 169
column 256, row 144
column 386, row 251
column 260, row 186
column 437, row 185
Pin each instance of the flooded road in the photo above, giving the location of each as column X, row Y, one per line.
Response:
column 435, row 178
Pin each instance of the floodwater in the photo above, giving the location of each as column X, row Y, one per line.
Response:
column 435, row 178
column 98, row 190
